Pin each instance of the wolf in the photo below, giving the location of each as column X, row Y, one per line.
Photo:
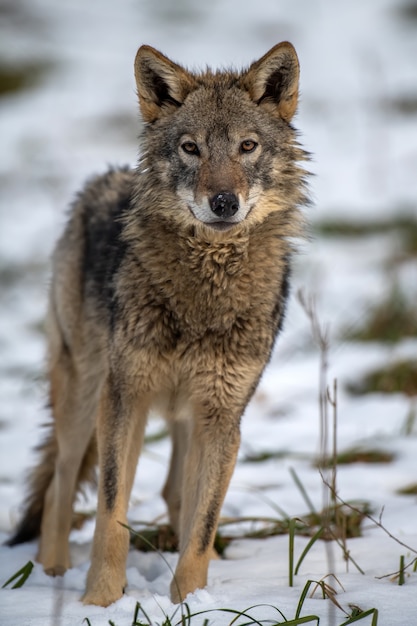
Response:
column 169, row 288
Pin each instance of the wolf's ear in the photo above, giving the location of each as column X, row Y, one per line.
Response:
column 162, row 85
column 273, row 80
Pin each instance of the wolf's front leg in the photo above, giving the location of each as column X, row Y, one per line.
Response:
column 209, row 465
column 120, row 430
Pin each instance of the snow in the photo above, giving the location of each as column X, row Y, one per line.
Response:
column 356, row 58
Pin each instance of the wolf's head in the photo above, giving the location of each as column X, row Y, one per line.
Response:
column 221, row 144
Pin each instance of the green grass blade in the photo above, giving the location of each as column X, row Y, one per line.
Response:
column 185, row 617
column 136, row 613
column 257, row 606
column 237, row 614
column 306, row 550
column 145, row 540
column 300, row 620
column 291, row 533
column 274, row 506
column 303, row 596
column 135, row 622
column 356, row 618
column 401, row 575
column 22, row 575
column 303, row 492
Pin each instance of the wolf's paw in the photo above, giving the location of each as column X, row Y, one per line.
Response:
column 102, row 595
column 184, row 583
column 55, row 559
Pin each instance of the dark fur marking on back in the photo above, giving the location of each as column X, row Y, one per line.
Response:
column 104, row 249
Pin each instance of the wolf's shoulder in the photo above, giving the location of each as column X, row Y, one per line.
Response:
column 105, row 195
column 95, row 219
column 91, row 240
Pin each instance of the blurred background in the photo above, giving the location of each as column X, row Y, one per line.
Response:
column 68, row 109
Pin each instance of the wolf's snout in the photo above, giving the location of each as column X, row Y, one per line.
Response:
column 224, row 204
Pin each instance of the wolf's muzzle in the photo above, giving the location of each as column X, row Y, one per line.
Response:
column 224, row 204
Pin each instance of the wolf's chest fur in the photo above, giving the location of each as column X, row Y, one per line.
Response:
column 178, row 288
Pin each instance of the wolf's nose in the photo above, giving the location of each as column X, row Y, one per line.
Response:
column 224, row 204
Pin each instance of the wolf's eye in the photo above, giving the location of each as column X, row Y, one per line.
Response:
column 248, row 146
column 190, row 148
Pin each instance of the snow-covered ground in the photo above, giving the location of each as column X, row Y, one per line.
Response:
column 358, row 61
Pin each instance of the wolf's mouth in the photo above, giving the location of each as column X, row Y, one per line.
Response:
column 221, row 225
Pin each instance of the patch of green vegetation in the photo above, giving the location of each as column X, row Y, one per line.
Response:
column 15, row 79
column 340, row 520
column 410, row 490
column 80, row 517
column 359, row 455
column 389, row 321
column 408, row 11
column 20, row 577
column 404, row 224
column 404, row 105
column 341, row 228
column 9, row 275
column 158, row 436
column 333, row 521
column 410, row 242
column 399, row 377
column 411, row 418
column 14, row 273
column 39, row 327
column 182, row 613
column 266, row 455
column 155, row 537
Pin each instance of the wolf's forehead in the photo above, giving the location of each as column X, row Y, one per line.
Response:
column 220, row 109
